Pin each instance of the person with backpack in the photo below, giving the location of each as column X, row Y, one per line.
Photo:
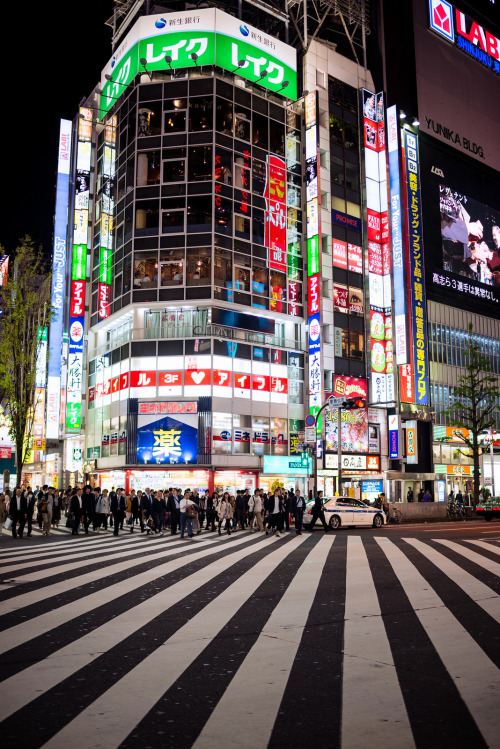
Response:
column 189, row 510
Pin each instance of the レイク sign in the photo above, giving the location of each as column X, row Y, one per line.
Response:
column 467, row 34
column 195, row 38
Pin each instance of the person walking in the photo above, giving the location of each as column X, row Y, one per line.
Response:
column 46, row 510
column 156, row 508
column 225, row 513
column 211, row 511
column 136, row 514
column 56, row 509
column 28, row 503
column 15, row 511
column 76, row 510
column 102, row 510
column 117, row 510
column 87, row 508
column 240, row 510
column 297, row 507
column 173, row 510
column 189, row 510
column 3, row 512
column 276, row 509
column 318, row 513
column 255, row 507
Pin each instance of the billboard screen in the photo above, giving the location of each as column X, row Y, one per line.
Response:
column 461, row 204
column 167, row 441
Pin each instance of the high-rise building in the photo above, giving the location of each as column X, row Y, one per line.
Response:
column 264, row 207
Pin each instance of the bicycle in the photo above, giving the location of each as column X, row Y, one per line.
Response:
column 455, row 511
column 394, row 515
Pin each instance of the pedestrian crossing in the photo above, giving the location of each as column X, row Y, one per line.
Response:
column 250, row 641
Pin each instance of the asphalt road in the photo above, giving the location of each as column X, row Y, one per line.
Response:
column 361, row 638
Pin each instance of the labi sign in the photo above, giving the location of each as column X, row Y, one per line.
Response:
column 195, row 38
column 469, row 36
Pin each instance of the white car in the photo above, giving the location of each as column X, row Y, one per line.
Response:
column 344, row 511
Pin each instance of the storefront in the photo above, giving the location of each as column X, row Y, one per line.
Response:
column 285, row 471
column 230, row 481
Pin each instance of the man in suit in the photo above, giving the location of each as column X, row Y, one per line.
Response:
column 76, row 509
column 27, row 509
column 156, row 510
column 117, row 510
column 144, row 509
column 318, row 512
column 15, row 511
column 297, row 507
column 88, row 508
column 173, row 509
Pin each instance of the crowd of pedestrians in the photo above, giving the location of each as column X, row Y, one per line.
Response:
column 90, row 510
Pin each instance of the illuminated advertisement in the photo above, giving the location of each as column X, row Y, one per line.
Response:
column 106, row 223
column 379, row 253
column 167, row 440
column 313, row 257
column 354, row 430
column 74, row 374
column 400, row 337
column 275, row 194
column 418, row 312
column 470, row 237
column 58, row 281
column 41, row 358
column 195, row 38
column 459, row 28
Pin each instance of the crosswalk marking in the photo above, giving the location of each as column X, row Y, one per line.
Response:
column 31, row 682
column 110, row 718
column 483, row 595
column 369, row 677
column 137, row 634
column 63, row 614
column 473, row 556
column 475, row 676
column 269, row 662
column 56, row 589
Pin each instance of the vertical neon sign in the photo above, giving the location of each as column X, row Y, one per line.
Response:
column 106, row 227
column 313, row 255
column 58, row 281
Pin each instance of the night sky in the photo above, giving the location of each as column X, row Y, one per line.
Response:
column 63, row 52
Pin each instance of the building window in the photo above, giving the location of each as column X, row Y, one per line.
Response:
column 200, row 165
column 145, row 270
column 148, row 168
column 174, row 122
column 149, row 121
column 199, row 266
column 146, row 218
column 201, row 113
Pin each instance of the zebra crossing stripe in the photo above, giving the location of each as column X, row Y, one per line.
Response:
column 56, row 589
column 269, row 662
column 475, row 676
column 485, row 545
column 76, row 543
column 480, row 593
column 30, row 683
column 110, row 718
column 55, row 618
column 7, row 569
column 472, row 556
column 370, row 678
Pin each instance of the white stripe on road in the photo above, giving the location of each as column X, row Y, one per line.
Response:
column 269, row 662
column 370, row 679
column 20, row 633
column 29, row 684
column 472, row 556
column 35, row 550
column 109, row 719
column 484, row 596
column 484, row 545
column 42, row 594
column 475, row 676
column 7, row 569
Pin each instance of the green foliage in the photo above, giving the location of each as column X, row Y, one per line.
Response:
column 25, row 304
column 277, row 484
column 475, row 402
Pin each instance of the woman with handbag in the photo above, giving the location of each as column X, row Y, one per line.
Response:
column 189, row 510
column 225, row 513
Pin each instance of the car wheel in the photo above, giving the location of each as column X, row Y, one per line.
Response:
column 334, row 522
column 488, row 516
column 378, row 521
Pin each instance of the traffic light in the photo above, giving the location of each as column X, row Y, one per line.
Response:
column 353, row 403
column 304, row 460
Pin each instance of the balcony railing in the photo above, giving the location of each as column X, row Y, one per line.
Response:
column 183, row 331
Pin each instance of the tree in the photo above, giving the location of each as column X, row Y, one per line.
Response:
column 475, row 403
column 25, row 301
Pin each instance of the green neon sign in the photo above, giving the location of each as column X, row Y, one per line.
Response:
column 79, row 265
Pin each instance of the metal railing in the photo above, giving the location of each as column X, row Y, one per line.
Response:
column 182, row 332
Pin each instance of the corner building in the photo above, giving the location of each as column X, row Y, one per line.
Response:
column 196, row 336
